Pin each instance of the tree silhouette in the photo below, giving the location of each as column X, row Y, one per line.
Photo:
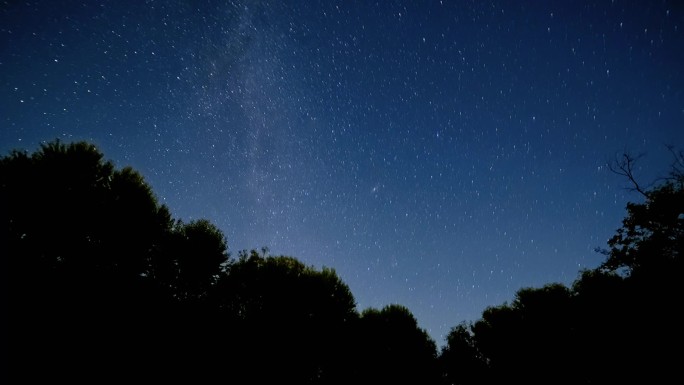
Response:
column 288, row 316
column 195, row 254
column 66, row 208
column 527, row 340
column 605, row 328
column 616, row 323
column 393, row 349
column 460, row 360
column 80, row 246
column 651, row 240
column 97, row 277
column 99, row 280
column 647, row 252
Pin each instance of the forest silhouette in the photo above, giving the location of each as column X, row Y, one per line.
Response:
column 101, row 283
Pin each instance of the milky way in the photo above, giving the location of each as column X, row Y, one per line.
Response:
column 439, row 155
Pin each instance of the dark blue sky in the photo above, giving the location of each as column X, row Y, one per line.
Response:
column 438, row 154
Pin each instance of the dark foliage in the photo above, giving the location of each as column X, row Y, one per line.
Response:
column 99, row 282
column 460, row 360
column 393, row 349
column 291, row 316
column 617, row 323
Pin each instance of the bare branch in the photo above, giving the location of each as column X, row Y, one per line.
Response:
column 624, row 166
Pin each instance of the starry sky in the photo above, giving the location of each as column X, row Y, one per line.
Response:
column 437, row 154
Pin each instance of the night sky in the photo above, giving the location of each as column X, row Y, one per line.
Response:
column 437, row 154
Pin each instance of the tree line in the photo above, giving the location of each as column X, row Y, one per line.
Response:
column 100, row 282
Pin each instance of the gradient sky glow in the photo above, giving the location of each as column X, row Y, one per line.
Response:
column 437, row 154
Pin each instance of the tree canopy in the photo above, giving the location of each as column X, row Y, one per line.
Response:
column 616, row 322
column 99, row 280
column 98, row 277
